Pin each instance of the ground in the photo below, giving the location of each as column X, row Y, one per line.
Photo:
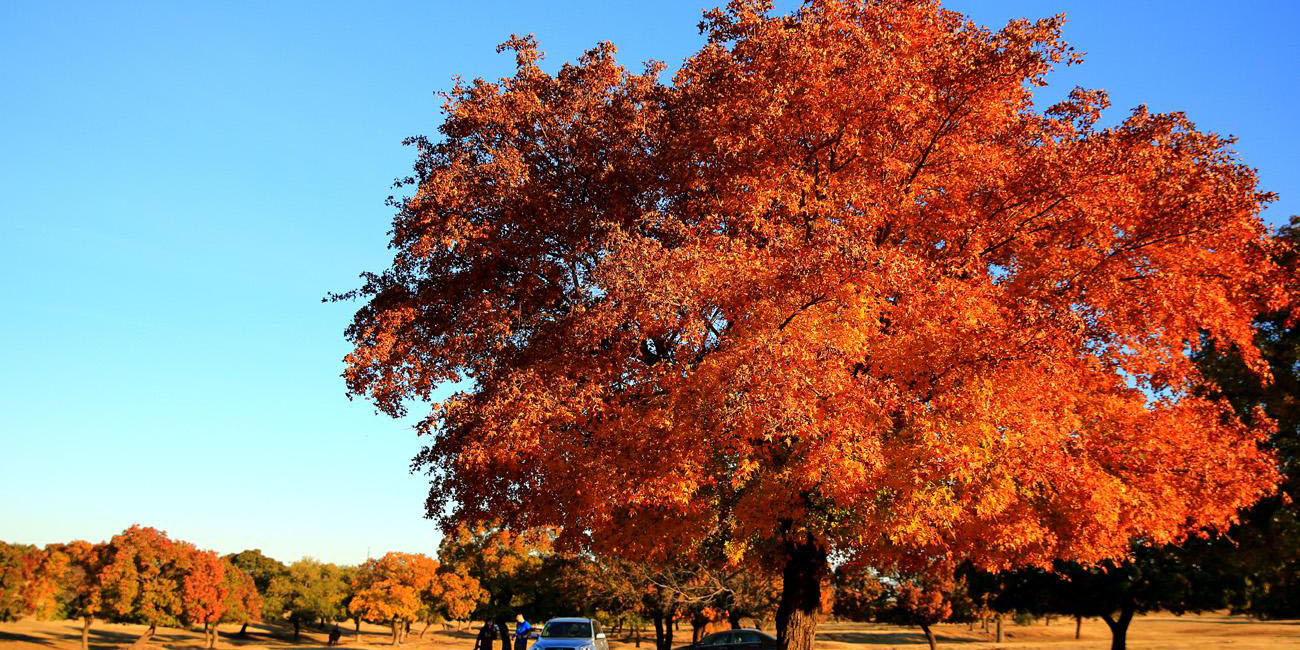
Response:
column 1153, row 632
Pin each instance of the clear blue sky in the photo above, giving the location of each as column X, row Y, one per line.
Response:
column 180, row 183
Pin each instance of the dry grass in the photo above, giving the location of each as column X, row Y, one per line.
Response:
column 1154, row 632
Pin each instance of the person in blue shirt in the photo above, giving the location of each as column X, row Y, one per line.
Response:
column 522, row 630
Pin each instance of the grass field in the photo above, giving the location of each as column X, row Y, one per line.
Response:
column 1153, row 632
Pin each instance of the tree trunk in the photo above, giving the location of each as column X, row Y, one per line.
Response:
column 357, row 621
column 505, row 634
column 1119, row 628
column 734, row 619
column 636, row 634
column 1078, row 626
column 929, row 636
column 297, row 629
column 243, row 630
column 698, row 621
column 85, row 631
column 148, row 634
column 663, row 631
column 999, row 632
column 801, row 595
column 396, row 627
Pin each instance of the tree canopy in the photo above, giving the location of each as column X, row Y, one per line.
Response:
column 839, row 286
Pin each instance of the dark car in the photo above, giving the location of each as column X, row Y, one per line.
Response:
column 742, row 639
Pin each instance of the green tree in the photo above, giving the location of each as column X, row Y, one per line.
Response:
column 310, row 591
column 262, row 570
column 14, row 575
column 243, row 600
column 1264, row 548
column 1155, row 578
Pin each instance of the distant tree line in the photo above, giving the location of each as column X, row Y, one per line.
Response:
column 482, row 573
column 139, row 576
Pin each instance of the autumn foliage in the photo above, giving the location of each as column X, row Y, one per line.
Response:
column 839, row 286
column 399, row 588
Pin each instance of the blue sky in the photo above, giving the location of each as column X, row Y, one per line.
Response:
column 180, row 183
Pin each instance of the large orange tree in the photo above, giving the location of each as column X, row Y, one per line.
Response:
column 838, row 287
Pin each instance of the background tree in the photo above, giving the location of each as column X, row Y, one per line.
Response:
column 504, row 562
column 141, row 579
column 243, row 602
column 843, row 284
column 204, row 590
column 1264, row 549
column 922, row 601
column 751, row 593
column 451, row 596
column 262, row 569
column 310, row 591
column 81, row 582
column 859, row 594
column 395, row 589
column 29, row 581
column 351, row 577
column 1155, row 578
column 661, row 605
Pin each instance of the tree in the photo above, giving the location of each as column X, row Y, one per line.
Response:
column 204, row 590
column 1153, row 578
column 752, row 593
column 309, row 591
column 921, row 601
column 141, row 579
column 12, row 578
column 395, row 588
column 79, row 582
column 504, row 562
column 262, row 569
column 243, row 601
column 840, row 288
column 858, row 594
column 451, row 596
column 28, row 581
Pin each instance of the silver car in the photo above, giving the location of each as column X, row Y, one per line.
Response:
column 572, row 634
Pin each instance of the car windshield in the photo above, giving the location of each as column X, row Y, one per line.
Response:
column 567, row 630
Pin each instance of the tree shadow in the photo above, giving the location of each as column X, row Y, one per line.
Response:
column 14, row 637
column 891, row 638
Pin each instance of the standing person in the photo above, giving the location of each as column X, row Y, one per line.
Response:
column 522, row 629
column 486, row 635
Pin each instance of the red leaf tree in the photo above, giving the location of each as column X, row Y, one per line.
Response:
column 141, row 579
column 839, row 287
column 204, row 590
